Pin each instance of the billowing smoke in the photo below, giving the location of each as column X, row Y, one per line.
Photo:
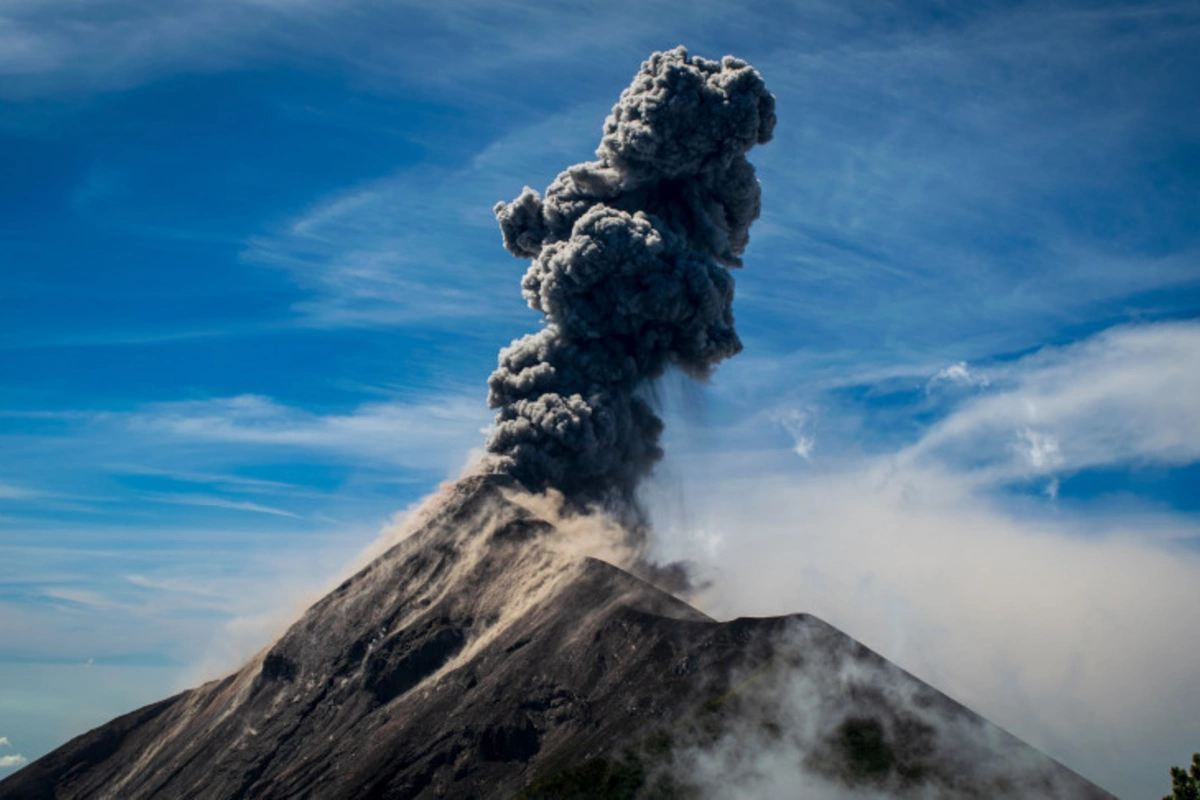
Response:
column 630, row 255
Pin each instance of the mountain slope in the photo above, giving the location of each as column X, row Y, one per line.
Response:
column 486, row 656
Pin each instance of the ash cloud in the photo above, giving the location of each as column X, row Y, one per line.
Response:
column 631, row 256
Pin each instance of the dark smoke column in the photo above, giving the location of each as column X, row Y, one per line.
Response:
column 629, row 269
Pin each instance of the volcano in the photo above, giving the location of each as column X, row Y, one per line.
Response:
column 489, row 655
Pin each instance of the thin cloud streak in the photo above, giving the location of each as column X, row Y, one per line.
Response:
column 430, row 433
column 406, row 434
column 86, row 598
column 10, row 492
column 218, row 502
column 226, row 482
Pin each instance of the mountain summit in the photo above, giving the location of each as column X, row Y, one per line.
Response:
column 487, row 655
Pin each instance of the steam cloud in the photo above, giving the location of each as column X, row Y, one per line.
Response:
column 629, row 270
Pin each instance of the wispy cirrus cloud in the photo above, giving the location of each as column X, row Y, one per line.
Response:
column 48, row 47
column 1122, row 397
column 375, row 255
column 85, row 598
column 1119, row 399
column 435, row 432
column 137, row 476
column 422, row 247
column 11, row 492
column 428, row 432
column 219, row 502
column 965, row 190
column 71, row 46
column 225, row 482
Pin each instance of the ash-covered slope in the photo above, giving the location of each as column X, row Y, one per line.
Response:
column 485, row 656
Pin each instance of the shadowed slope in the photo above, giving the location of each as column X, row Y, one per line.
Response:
column 481, row 657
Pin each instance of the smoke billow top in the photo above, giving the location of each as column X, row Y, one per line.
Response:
column 630, row 255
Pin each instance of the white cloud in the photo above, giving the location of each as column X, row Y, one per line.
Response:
column 928, row 152
column 1125, row 396
column 1071, row 633
column 369, row 256
column 226, row 482
column 85, row 598
column 799, row 423
column 423, row 245
column 434, row 433
column 958, row 374
column 1039, row 450
column 48, row 45
column 4, row 742
column 378, row 280
column 1070, row 625
column 9, row 762
column 219, row 502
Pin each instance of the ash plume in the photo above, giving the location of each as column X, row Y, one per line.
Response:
column 630, row 271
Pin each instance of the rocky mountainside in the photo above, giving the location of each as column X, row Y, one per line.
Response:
column 487, row 656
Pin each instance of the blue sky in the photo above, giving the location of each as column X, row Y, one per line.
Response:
column 251, row 289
